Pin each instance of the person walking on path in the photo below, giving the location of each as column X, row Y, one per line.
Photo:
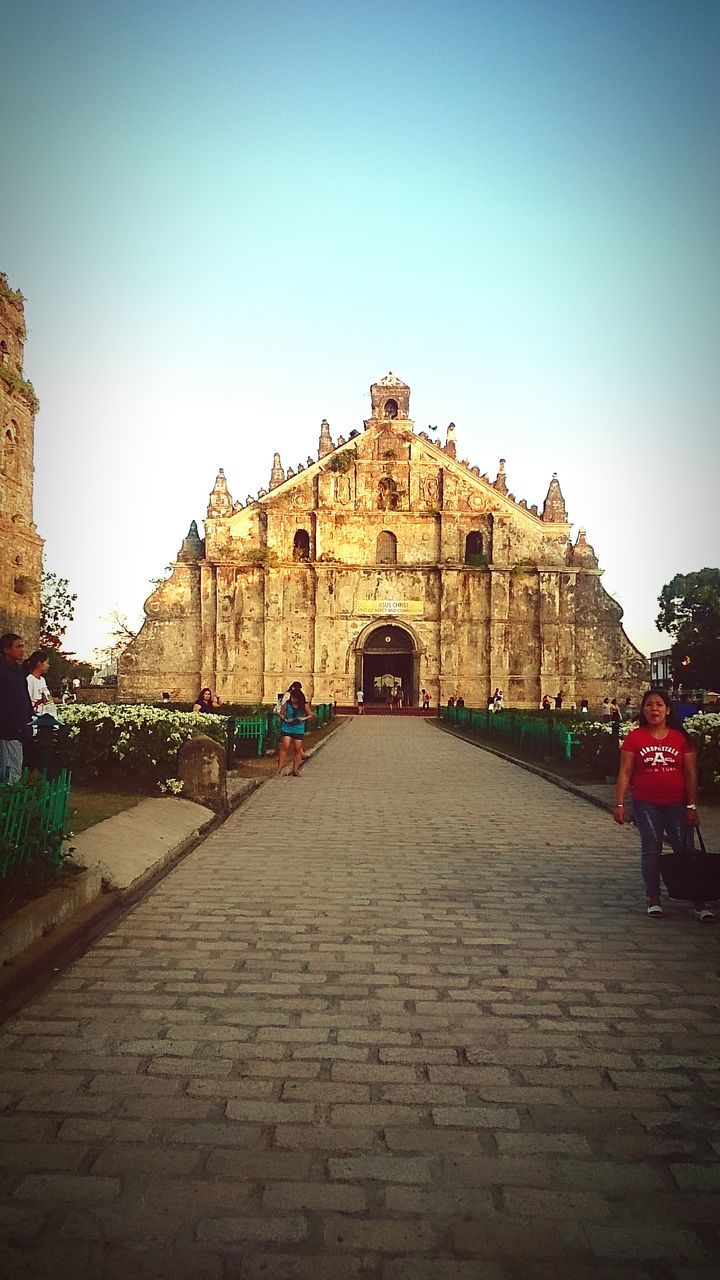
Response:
column 360, row 701
column 658, row 762
column 15, row 707
column 295, row 687
column 292, row 728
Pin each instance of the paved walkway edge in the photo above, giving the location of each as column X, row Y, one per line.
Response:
column 573, row 787
column 25, row 973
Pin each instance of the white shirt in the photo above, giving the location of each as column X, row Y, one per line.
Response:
column 39, row 695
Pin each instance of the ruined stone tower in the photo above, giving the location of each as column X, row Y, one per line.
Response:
column 20, row 545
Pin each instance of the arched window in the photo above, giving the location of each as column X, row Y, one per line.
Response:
column 474, row 548
column 9, row 449
column 386, row 548
column 301, row 545
column 387, row 494
column 391, row 409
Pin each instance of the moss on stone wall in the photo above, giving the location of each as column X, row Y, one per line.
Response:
column 15, row 382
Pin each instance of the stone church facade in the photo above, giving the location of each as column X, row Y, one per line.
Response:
column 384, row 560
column 20, row 544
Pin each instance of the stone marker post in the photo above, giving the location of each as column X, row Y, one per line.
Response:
column 201, row 768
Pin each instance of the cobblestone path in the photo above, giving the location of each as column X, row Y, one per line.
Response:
column 401, row 1019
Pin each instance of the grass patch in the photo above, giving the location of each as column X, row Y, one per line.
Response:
column 89, row 806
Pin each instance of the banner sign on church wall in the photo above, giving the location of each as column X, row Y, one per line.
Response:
column 385, row 608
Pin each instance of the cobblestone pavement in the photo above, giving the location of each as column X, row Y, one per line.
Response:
column 403, row 1018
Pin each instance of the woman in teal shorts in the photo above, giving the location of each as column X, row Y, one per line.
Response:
column 292, row 727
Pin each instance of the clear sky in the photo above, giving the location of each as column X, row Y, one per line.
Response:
column 229, row 218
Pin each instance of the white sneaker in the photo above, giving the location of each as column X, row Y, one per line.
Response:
column 705, row 916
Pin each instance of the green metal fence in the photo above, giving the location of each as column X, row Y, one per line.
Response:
column 32, row 819
column 540, row 735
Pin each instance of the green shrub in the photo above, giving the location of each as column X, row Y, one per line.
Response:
column 595, row 748
column 131, row 742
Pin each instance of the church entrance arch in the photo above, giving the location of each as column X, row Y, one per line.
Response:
column 387, row 660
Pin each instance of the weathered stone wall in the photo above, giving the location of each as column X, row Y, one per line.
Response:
column 20, row 545
column 291, row 583
column 166, row 653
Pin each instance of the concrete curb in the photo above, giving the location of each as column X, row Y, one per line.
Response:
column 43, row 915
column 28, row 970
column 74, row 926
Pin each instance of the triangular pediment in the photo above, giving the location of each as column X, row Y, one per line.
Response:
column 389, row 446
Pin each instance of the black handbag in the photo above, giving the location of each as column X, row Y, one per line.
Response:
column 693, row 875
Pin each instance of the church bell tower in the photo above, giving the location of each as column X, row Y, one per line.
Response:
column 390, row 399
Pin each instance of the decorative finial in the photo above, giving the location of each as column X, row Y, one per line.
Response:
column 325, row 444
column 277, row 475
column 193, row 546
column 554, row 506
column 500, row 481
column 220, row 503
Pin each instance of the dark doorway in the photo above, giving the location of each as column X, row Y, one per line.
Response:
column 388, row 663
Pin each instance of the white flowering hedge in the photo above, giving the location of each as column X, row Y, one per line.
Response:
column 594, row 749
column 704, row 729
column 133, row 742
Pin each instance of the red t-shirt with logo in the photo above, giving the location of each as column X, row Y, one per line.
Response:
column 657, row 774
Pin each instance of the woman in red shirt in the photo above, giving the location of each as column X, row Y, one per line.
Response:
column 658, row 762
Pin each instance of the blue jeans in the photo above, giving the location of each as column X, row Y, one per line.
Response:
column 653, row 821
column 11, row 760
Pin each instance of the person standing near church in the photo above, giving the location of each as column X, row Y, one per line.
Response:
column 658, row 762
column 360, row 701
column 36, row 668
column 295, row 687
column 295, row 715
column 15, row 708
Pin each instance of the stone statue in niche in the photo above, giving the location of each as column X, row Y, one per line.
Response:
column 343, row 490
column 430, row 491
column 387, row 494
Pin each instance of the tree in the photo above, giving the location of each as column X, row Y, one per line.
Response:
column 690, row 613
column 57, row 609
column 119, row 635
column 64, row 668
